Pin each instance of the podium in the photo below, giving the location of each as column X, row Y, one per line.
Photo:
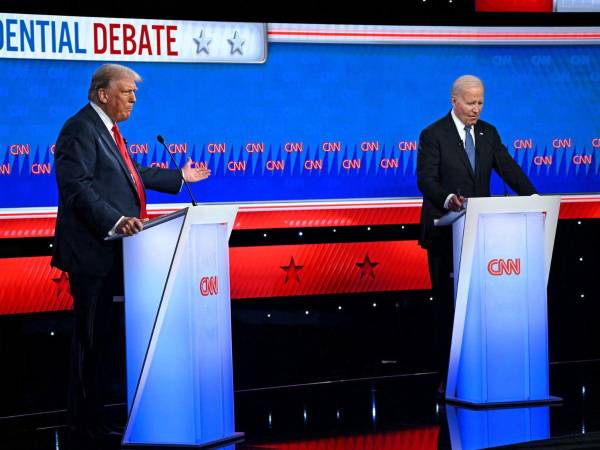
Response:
column 502, row 254
column 178, row 331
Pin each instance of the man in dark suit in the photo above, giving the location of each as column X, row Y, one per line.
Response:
column 101, row 192
column 455, row 160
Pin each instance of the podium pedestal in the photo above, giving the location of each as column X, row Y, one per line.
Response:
column 502, row 253
column 178, row 331
column 471, row 429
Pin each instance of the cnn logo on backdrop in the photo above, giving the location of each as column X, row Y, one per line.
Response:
column 209, row 286
column 498, row 267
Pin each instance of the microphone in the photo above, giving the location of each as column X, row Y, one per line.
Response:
column 462, row 206
column 161, row 140
column 500, row 170
column 497, row 161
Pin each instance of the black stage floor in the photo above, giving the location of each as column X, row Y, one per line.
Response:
column 399, row 412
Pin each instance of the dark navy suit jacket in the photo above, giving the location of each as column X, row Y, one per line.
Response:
column 95, row 190
column 443, row 168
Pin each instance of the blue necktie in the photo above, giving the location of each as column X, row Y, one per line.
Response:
column 470, row 147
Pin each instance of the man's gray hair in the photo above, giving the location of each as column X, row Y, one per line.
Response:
column 107, row 73
column 464, row 81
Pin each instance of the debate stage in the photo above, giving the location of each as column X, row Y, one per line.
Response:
column 397, row 412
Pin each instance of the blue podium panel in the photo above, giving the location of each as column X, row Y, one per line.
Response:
column 183, row 394
column 212, row 334
column 147, row 259
column 474, row 429
column 505, row 354
column 503, row 248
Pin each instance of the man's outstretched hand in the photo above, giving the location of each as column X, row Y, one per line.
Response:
column 193, row 174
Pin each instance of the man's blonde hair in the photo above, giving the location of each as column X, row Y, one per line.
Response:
column 107, row 73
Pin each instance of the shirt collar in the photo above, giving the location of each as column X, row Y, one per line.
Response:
column 460, row 126
column 103, row 116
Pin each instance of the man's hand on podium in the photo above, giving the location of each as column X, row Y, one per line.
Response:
column 456, row 202
column 130, row 225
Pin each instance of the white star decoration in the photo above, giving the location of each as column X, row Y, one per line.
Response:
column 236, row 43
column 202, row 43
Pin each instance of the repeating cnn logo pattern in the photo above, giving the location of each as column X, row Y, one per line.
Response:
column 209, row 286
column 498, row 267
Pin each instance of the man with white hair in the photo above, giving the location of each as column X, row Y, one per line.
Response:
column 455, row 160
column 101, row 192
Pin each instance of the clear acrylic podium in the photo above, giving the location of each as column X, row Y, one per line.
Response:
column 178, row 330
column 502, row 254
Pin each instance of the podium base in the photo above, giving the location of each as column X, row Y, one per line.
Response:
column 551, row 400
column 234, row 438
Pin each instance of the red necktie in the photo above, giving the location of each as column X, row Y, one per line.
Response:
column 134, row 173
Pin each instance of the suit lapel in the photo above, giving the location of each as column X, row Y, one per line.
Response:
column 455, row 142
column 110, row 144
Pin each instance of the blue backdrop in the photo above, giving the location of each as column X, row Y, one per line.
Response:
column 546, row 96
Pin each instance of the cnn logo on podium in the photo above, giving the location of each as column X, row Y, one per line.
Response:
column 498, row 267
column 209, row 286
